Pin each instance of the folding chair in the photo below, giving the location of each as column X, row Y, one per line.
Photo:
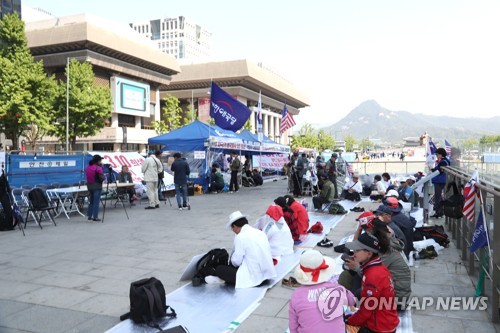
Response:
column 39, row 203
column 19, row 199
column 26, row 187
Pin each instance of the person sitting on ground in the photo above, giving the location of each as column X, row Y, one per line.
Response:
column 384, row 214
column 314, row 273
column 327, row 193
column 352, row 188
column 299, row 214
column 251, row 262
column 277, row 231
column 390, row 253
column 126, row 177
column 217, row 181
column 379, row 189
column 402, row 221
column 386, row 180
column 376, row 284
column 288, row 216
column 405, row 192
column 257, row 178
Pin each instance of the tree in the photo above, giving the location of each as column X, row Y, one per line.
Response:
column 469, row 143
column 365, row 144
column 325, row 141
column 173, row 116
column 350, row 141
column 26, row 93
column 89, row 105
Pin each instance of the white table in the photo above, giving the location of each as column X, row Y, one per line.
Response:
column 67, row 195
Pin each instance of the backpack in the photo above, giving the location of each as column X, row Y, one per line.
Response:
column 148, row 302
column 206, row 265
column 337, row 209
column 454, row 203
column 435, row 232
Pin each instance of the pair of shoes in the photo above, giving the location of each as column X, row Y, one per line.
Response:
column 290, row 283
column 212, row 279
column 89, row 218
column 149, row 207
column 180, row 208
column 96, row 220
column 157, row 206
column 357, row 209
column 428, row 253
column 325, row 243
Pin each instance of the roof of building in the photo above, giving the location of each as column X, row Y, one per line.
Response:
column 108, row 39
column 242, row 73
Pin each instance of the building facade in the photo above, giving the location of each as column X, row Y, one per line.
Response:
column 177, row 36
column 121, row 59
column 9, row 7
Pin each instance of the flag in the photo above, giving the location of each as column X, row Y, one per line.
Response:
column 227, row 111
column 447, row 147
column 259, row 119
column 479, row 238
column 470, row 195
column 348, row 168
column 432, row 147
column 429, row 146
column 286, row 120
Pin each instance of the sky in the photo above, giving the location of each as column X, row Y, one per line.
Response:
column 436, row 57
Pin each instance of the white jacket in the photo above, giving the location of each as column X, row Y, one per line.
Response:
column 354, row 186
column 278, row 233
column 150, row 168
column 252, row 255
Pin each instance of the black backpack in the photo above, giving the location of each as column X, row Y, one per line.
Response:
column 206, row 265
column 435, row 232
column 337, row 209
column 148, row 302
column 454, row 202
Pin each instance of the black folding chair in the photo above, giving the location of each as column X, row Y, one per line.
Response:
column 38, row 202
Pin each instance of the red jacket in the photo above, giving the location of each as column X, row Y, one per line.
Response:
column 377, row 288
column 300, row 216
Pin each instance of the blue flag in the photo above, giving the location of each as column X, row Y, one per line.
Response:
column 227, row 111
column 433, row 147
column 479, row 238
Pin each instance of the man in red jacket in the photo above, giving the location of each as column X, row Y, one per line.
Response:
column 377, row 312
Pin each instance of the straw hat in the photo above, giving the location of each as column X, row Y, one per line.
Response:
column 314, row 268
column 235, row 216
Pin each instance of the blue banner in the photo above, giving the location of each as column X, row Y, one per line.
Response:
column 479, row 238
column 227, row 111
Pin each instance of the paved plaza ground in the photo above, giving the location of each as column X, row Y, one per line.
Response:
column 75, row 277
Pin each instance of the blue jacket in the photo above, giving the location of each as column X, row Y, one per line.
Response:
column 441, row 178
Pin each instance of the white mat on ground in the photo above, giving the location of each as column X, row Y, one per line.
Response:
column 196, row 314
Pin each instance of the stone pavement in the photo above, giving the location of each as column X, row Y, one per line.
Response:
column 75, row 277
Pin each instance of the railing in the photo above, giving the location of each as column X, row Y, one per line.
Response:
column 462, row 231
column 392, row 167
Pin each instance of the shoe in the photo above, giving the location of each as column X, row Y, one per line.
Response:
column 157, row 206
column 211, row 279
column 180, row 208
column 290, row 283
column 339, row 248
column 89, row 218
column 357, row 209
column 96, row 220
column 325, row 243
column 149, row 207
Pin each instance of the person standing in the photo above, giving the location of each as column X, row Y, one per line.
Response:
column 439, row 181
column 95, row 178
column 181, row 171
column 331, row 170
column 150, row 168
column 235, row 168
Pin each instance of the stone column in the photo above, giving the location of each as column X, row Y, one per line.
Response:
column 253, row 117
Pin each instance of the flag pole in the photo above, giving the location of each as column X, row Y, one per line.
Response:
column 481, row 202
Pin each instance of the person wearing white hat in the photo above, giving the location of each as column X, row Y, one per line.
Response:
column 317, row 305
column 251, row 262
column 352, row 188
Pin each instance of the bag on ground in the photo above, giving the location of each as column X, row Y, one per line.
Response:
column 336, row 209
column 206, row 265
column 148, row 302
column 435, row 232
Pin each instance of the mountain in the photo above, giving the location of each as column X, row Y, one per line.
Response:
column 370, row 120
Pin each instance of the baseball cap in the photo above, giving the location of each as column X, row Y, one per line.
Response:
column 365, row 218
column 365, row 241
column 392, row 193
column 383, row 209
column 393, row 204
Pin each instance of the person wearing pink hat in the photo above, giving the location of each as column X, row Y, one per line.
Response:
column 317, row 305
column 277, row 231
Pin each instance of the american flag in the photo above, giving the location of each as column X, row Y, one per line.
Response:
column 470, row 195
column 286, row 121
column 447, row 147
column 348, row 168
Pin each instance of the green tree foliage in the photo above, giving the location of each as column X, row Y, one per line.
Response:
column 489, row 139
column 365, row 144
column 173, row 116
column 469, row 143
column 248, row 125
column 308, row 137
column 350, row 141
column 26, row 93
column 89, row 105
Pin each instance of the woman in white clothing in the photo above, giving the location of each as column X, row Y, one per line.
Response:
column 277, row 231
